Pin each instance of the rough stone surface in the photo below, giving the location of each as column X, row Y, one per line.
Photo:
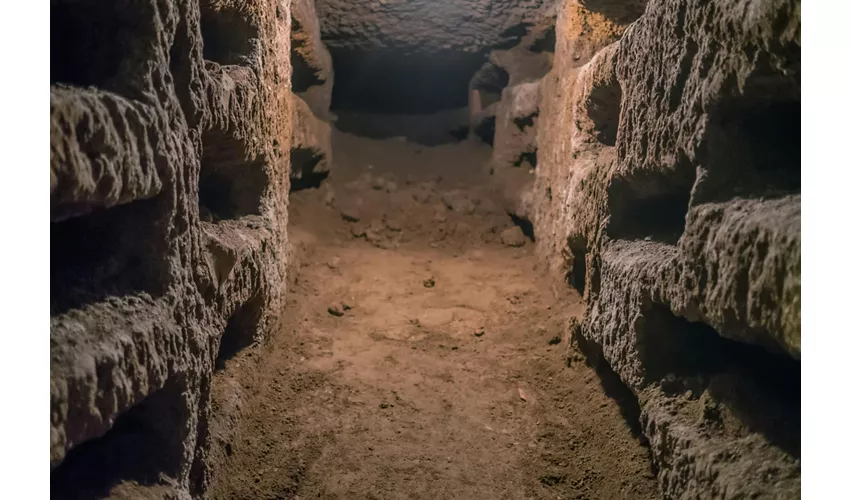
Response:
column 169, row 165
column 418, row 56
column 515, row 142
column 311, row 142
column 667, row 192
column 427, row 26
column 312, row 67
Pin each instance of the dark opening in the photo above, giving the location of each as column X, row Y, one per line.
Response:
column 180, row 65
column 752, row 149
column 144, row 443
column 546, row 43
column 231, row 183
column 108, row 253
column 529, row 157
column 650, row 205
column 525, row 225
column 491, row 79
column 623, row 12
column 486, row 129
column 761, row 389
column 303, row 76
column 241, row 330
column 229, row 36
column 396, row 82
column 304, row 162
column 578, row 273
column 525, row 121
column 603, row 109
column 91, row 42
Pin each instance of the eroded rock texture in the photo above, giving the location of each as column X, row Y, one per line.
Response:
column 667, row 191
column 418, row 56
column 312, row 83
column 169, row 146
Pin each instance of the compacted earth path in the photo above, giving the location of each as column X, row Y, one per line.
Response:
column 421, row 352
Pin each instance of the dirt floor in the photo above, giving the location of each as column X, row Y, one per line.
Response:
column 421, row 355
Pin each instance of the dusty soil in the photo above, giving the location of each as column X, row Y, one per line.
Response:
column 419, row 355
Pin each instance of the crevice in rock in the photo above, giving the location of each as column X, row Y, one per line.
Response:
column 578, row 271
column 240, row 331
column 751, row 149
column 603, row 109
column 313, row 180
column 304, row 161
column 144, row 446
column 529, row 157
column 180, row 65
column 107, row 253
column 546, row 43
column 486, row 129
column 651, row 205
column 92, row 43
column 231, row 183
column 490, row 80
column 759, row 390
column 524, row 224
column 303, row 75
column 620, row 11
column 229, row 36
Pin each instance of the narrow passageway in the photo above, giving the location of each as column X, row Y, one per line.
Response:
column 425, row 249
column 421, row 356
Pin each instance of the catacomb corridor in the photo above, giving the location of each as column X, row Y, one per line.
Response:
column 425, row 249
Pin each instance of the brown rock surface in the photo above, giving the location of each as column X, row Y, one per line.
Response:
column 311, row 142
column 312, row 67
column 169, row 135
column 654, row 198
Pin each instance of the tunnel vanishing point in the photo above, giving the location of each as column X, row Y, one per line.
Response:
column 643, row 155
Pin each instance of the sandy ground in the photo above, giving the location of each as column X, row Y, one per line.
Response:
column 420, row 356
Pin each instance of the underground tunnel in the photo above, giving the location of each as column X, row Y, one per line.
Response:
column 424, row 248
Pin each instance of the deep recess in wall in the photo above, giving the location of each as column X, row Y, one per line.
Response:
column 545, row 43
column 303, row 76
column 578, row 272
column 603, row 108
column 761, row 389
column 91, row 41
column 486, row 129
column 752, row 148
column 229, row 37
column 231, row 183
column 240, row 330
column 306, row 159
column 145, row 442
column 108, row 252
column 490, row 80
column 180, row 65
column 651, row 205
column 622, row 12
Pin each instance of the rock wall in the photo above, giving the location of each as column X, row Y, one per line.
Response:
column 312, row 84
column 169, row 173
column 667, row 191
column 417, row 56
